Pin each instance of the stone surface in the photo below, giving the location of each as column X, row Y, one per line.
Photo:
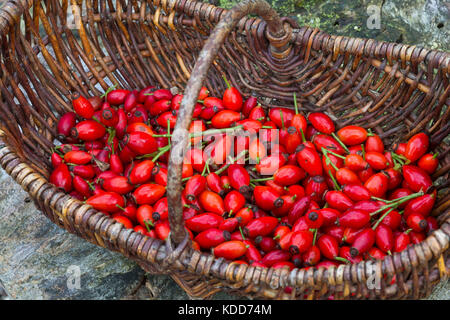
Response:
column 415, row 22
column 39, row 260
column 162, row 287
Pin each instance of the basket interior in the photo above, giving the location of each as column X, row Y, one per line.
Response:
column 47, row 55
column 396, row 90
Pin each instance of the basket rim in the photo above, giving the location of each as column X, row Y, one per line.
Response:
column 441, row 236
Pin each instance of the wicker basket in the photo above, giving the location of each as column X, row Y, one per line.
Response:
column 396, row 90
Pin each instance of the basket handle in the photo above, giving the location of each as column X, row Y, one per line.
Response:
column 278, row 37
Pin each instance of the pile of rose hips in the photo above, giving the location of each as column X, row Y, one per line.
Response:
column 314, row 197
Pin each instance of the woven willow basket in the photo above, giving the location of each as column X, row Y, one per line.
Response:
column 396, row 90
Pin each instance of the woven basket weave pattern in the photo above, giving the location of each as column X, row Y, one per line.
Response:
column 395, row 90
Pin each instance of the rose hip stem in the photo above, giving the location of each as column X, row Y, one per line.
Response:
column 155, row 155
column 334, row 153
column 206, row 168
column 282, row 119
column 303, row 135
column 226, row 81
column 398, row 202
column 148, row 224
column 336, row 184
column 295, row 103
column 108, row 90
column 381, row 218
column 242, row 234
column 168, row 131
column 340, row 142
column 315, row 234
column 91, row 185
column 261, row 179
column 384, row 200
column 232, row 160
column 399, row 160
column 328, row 161
column 160, row 153
column 342, row 259
column 112, row 134
column 204, row 133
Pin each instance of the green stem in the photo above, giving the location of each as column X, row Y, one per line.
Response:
column 340, row 142
column 295, row 103
column 206, row 168
column 160, row 153
column 112, row 134
column 315, row 237
column 363, row 152
column 242, row 233
column 166, row 135
column 303, row 135
column 282, row 119
column 203, row 133
column 98, row 121
column 91, row 186
column 397, row 164
column 384, row 200
column 261, row 179
column 335, row 154
column 108, row 91
column 399, row 158
column 168, row 131
column 398, row 202
column 342, row 259
column 226, row 81
column 382, row 218
column 336, row 185
column 215, row 131
column 148, row 224
column 408, row 231
column 121, row 208
column 225, row 167
column 328, row 160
